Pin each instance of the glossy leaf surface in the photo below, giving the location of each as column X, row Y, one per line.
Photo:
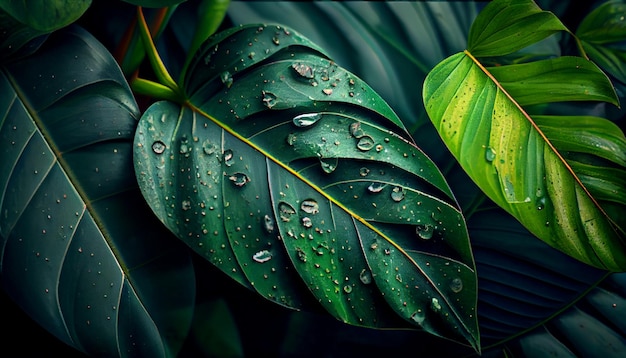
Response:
column 289, row 168
column 477, row 113
column 74, row 226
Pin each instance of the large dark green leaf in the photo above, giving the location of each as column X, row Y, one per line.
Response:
column 285, row 167
column 560, row 197
column 80, row 249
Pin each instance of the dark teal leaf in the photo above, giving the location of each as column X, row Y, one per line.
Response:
column 45, row 15
column 284, row 164
column 80, row 248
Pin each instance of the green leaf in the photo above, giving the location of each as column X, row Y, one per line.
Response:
column 283, row 167
column 506, row 26
column 72, row 256
column 602, row 34
column 45, row 15
column 515, row 163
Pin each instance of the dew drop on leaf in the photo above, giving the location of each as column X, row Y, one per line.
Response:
column 269, row 99
column 365, row 143
column 456, row 285
column 306, row 119
column 306, row 222
column 329, row 164
column 186, row 205
column 228, row 157
column 541, row 203
column 239, row 179
column 268, row 224
column 355, row 130
column 285, row 210
column 158, row 147
column 397, row 194
column 208, row 148
column 364, row 171
column 435, row 305
column 376, row 187
column 424, row 231
column 310, row 206
column 227, row 79
column 303, row 70
column 418, row 316
column 490, row 154
column 365, row 276
column 262, row 256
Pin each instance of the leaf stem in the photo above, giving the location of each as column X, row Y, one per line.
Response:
column 155, row 60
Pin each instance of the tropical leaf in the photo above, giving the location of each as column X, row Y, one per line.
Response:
column 45, row 16
column 283, row 167
column 485, row 117
column 592, row 327
column 602, row 34
column 72, row 255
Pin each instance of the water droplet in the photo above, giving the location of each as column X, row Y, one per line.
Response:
column 276, row 40
column 310, row 206
column 208, row 148
column 397, row 194
column 490, row 154
column 376, row 187
column 541, row 203
column 434, row 305
column 228, row 157
column 456, row 285
column 327, row 91
column 365, row 143
column 158, row 147
column 539, row 192
column 269, row 99
column 303, row 70
column 364, row 171
column 301, row 254
column 418, row 316
column 306, row 119
column 268, row 224
column 186, row 205
column 329, row 164
column 365, row 276
column 185, row 148
column 291, row 139
column 239, row 179
column 355, row 130
column 306, row 222
column 285, row 210
column 424, row 231
column 262, row 256
column 227, row 79
column 347, row 288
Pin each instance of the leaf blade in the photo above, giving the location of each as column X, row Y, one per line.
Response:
column 519, row 168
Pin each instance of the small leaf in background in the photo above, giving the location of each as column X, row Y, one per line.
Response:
column 285, row 167
column 45, row 15
column 506, row 26
column 603, row 35
column 479, row 113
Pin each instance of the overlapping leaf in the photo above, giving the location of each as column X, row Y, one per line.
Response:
column 602, row 34
column 556, row 182
column 71, row 255
column 286, row 168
